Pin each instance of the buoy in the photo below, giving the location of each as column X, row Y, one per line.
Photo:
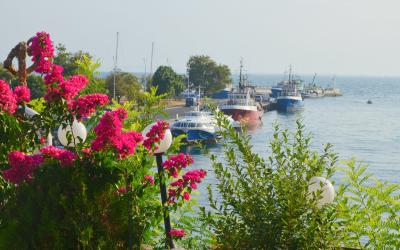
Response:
column 369, row 102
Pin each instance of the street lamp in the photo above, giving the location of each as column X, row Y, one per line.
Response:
column 162, row 147
column 320, row 185
column 78, row 130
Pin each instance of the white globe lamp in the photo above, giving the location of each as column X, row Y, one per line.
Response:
column 164, row 144
column 323, row 188
column 78, row 131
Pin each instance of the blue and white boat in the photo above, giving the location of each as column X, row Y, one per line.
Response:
column 290, row 99
column 198, row 126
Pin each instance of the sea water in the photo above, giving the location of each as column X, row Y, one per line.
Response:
column 368, row 132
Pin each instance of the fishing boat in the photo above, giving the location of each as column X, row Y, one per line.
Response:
column 241, row 105
column 312, row 90
column 199, row 126
column 332, row 90
column 290, row 99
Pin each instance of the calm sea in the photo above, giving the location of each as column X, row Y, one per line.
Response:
column 369, row 132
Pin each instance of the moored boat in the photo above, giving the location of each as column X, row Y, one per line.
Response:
column 241, row 105
column 332, row 90
column 199, row 126
column 290, row 99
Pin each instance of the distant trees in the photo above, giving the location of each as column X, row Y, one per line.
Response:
column 168, row 81
column 205, row 72
column 126, row 85
column 68, row 59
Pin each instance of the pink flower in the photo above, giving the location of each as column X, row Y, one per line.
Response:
column 84, row 106
column 178, row 183
column 54, row 76
column 186, row 196
column 121, row 190
column 71, row 87
column 149, row 179
column 22, row 167
column 42, row 51
column 65, row 157
column 177, row 233
column 176, row 162
column 22, row 94
column 109, row 134
column 155, row 135
column 86, row 150
column 194, row 176
column 7, row 100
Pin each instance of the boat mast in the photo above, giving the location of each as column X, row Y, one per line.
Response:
column 240, row 74
column 115, row 63
column 313, row 80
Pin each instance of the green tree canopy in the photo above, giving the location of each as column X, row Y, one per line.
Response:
column 89, row 68
column 126, row 85
column 167, row 81
column 68, row 59
column 205, row 72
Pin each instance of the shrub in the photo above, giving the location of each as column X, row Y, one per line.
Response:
column 264, row 204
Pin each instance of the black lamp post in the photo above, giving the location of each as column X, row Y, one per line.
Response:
column 162, row 147
column 169, row 243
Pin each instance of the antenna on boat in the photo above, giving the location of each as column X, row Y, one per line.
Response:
column 115, row 63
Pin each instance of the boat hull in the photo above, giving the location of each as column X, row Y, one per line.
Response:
column 196, row 135
column 244, row 116
column 289, row 103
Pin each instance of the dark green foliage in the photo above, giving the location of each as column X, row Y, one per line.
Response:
column 167, row 81
column 126, row 85
column 204, row 72
column 264, row 204
column 15, row 134
column 68, row 60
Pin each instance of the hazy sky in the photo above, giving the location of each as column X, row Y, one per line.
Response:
column 356, row 37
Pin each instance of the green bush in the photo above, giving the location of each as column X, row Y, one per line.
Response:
column 265, row 204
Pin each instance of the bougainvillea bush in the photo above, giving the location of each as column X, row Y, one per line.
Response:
column 100, row 193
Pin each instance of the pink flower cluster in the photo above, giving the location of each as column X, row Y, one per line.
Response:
column 22, row 94
column 67, row 89
column 149, row 179
column 7, row 99
column 177, row 233
column 155, row 135
column 22, row 167
column 85, row 105
column 71, row 87
column 42, row 51
column 176, row 162
column 65, row 157
column 55, row 75
column 183, row 186
column 109, row 134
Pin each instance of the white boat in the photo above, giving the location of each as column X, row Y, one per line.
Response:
column 198, row 126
